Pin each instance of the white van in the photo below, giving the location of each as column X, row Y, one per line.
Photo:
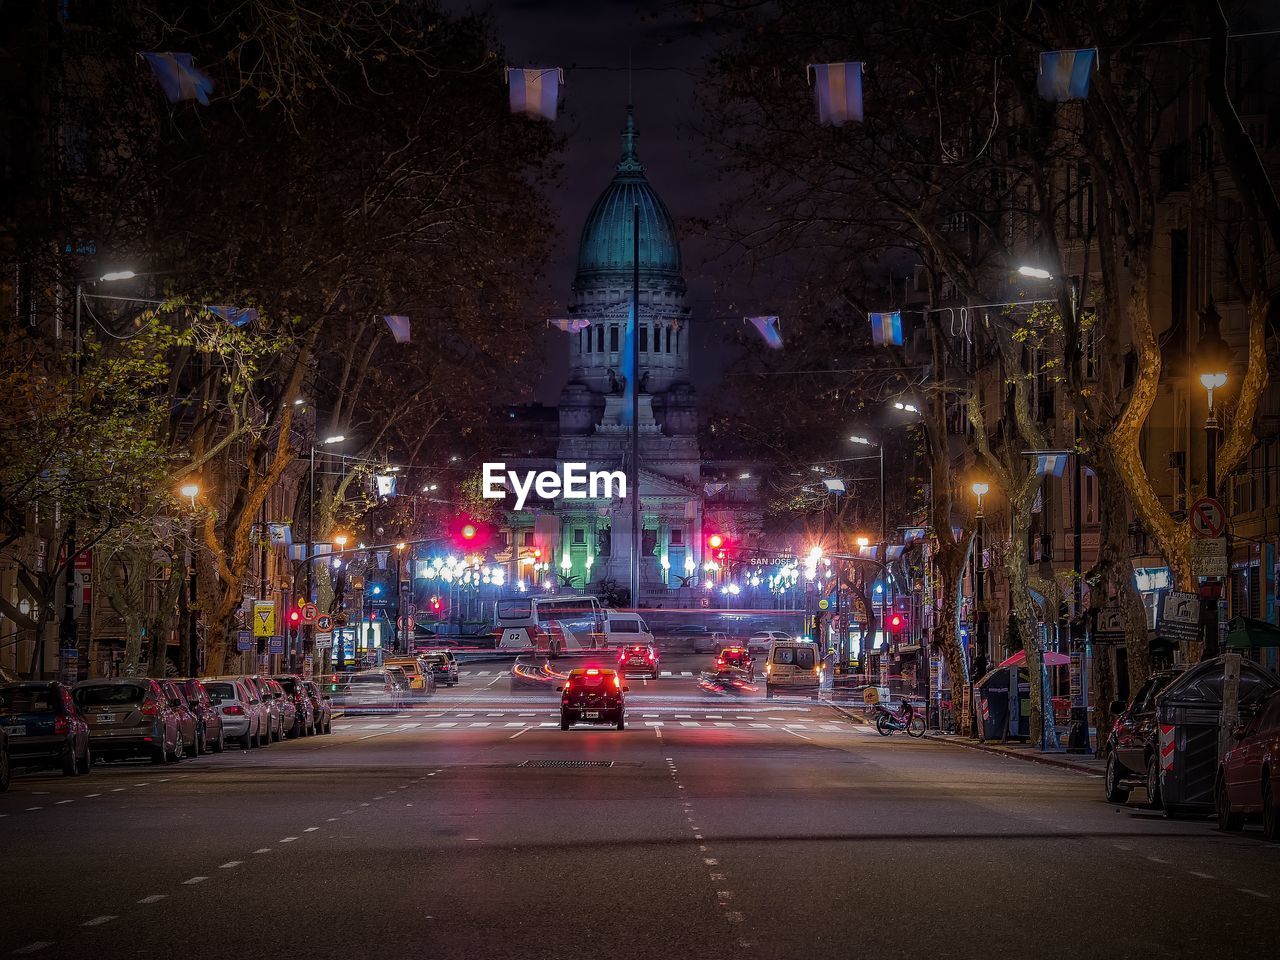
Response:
column 793, row 666
column 626, row 629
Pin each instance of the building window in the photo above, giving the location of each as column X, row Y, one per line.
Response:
column 677, row 536
column 668, row 339
column 644, row 338
column 677, row 341
column 588, row 332
column 613, row 338
column 526, row 538
column 579, row 536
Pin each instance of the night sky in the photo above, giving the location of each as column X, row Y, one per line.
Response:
column 582, row 36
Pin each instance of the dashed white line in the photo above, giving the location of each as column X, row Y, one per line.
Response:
column 154, row 898
column 33, row 947
column 98, row 921
column 230, row 864
column 90, row 796
column 193, row 881
column 263, row 850
column 1254, row 893
column 1202, row 876
column 61, row 802
column 311, row 830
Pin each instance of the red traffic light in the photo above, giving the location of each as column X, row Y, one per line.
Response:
column 295, row 616
column 436, row 605
column 715, row 541
column 468, row 531
column 897, row 622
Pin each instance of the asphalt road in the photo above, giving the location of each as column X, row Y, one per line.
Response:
column 473, row 828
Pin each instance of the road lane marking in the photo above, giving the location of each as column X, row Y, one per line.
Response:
column 1254, row 893
column 99, row 921
column 1202, row 876
column 658, row 731
column 513, row 736
column 34, row 947
column 193, row 881
column 800, row 735
column 263, row 850
column 61, row 802
column 311, row 830
column 230, row 864
column 291, row 839
column 154, row 898
column 88, row 796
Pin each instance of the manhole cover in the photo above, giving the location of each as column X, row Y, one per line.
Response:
column 567, row 763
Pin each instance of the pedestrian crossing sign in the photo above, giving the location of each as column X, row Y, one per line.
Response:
column 264, row 618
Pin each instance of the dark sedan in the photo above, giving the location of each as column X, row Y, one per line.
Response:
column 44, row 728
column 321, row 706
column 1128, row 749
column 304, row 715
column 1248, row 783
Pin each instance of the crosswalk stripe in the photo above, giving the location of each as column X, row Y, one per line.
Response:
column 664, row 673
column 690, row 723
column 482, row 723
column 447, row 723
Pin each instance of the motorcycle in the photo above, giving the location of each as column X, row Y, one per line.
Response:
column 730, row 682
column 887, row 722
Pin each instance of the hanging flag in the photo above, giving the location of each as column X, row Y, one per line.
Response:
column 711, row 489
column 280, row 533
column 569, row 324
column 386, row 484
column 1052, row 463
column 628, row 353
column 535, row 92
column 886, row 328
column 399, row 326
column 839, row 91
column 179, row 77
column 236, row 316
column 894, row 551
column 833, row 485
column 768, row 327
column 912, row 534
column 1065, row 74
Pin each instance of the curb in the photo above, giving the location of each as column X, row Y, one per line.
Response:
column 1046, row 759
column 852, row 717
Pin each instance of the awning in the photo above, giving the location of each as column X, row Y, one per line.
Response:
column 1051, row 659
column 1245, row 632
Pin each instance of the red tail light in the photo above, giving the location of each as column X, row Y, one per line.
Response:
column 148, row 708
column 60, row 725
column 233, row 710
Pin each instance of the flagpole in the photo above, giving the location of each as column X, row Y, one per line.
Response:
column 634, row 374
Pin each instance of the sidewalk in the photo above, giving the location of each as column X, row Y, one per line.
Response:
column 1080, row 762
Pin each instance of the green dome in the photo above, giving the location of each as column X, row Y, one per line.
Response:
column 605, row 249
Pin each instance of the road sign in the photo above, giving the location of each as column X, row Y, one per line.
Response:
column 400, row 623
column 324, row 622
column 1178, row 617
column 823, row 604
column 1208, row 518
column 324, row 640
column 264, row 618
column 1110, row 627
column 309, row 613
column 244, row 641
column 275, row 645
column 871, row 695
column 1209, row 558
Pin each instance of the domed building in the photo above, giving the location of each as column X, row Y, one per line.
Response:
column 588, row 541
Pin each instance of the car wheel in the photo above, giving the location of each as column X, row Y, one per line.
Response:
column 221, row 743
column 1227, row 820
column 1270, row 814
column 69, row 766
column 198, row 746
column 622, row 722
column 248, row 741
column 4, row 770
column 1153, row 782
column 159, row 755
column 1112, row 786
column 564, row 720
column 87, row 763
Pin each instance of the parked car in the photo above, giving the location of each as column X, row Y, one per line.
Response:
column 638, row 658
column 592, row 695
column 304, row 715
column 759, row 641
column 208, row 717
column 129, row 717
column 422, row 680
column 272, row 709
column 321, row 705
column 44, row 727
column 1248, row 783
column 1129, row 747
column 240, row 708
column 188, row 723
column 288, row 708
column 369, row 691
column 4, row 760
column 444, row 665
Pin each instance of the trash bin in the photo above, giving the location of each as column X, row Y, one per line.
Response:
column 1188, row 714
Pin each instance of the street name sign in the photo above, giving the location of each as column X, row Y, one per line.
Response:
column 1208, row 518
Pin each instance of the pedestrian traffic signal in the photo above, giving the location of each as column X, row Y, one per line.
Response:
column 897, row 623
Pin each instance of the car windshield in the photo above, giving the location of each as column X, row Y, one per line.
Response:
column 27, row 699
column 289, row 684
column 367, row 678
column 109, row 694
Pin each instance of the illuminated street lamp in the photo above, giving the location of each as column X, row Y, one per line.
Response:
column 190, row 491
column 980, row 490
column 1034, row 272
column 1214, row 357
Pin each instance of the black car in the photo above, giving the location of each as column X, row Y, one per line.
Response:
column 1129, row 749
column 592, row 695
column 44, row 728
column 210, row 736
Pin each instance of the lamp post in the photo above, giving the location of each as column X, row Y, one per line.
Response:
column 191, row 491
column 311, row 521
column 1214, row 356
column 980, row 489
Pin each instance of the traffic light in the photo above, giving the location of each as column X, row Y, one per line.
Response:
column 897, row 623
column 715, row 541
column 294, row 618
column 717, row 546
column 470, row 534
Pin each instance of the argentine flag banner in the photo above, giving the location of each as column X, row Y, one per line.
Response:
column 1051, row 463
column 839, row 91
column 886, row 328
column 535, row 92
column 1065, row 74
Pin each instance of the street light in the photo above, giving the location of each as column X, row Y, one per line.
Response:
column 867, row 442
column 905, row 407
column 1214, row 355
column 118, row 275
column 1035, row 273
column 980, row 490
column 190, row 491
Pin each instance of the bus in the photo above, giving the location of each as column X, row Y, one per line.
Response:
column 550, row 625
